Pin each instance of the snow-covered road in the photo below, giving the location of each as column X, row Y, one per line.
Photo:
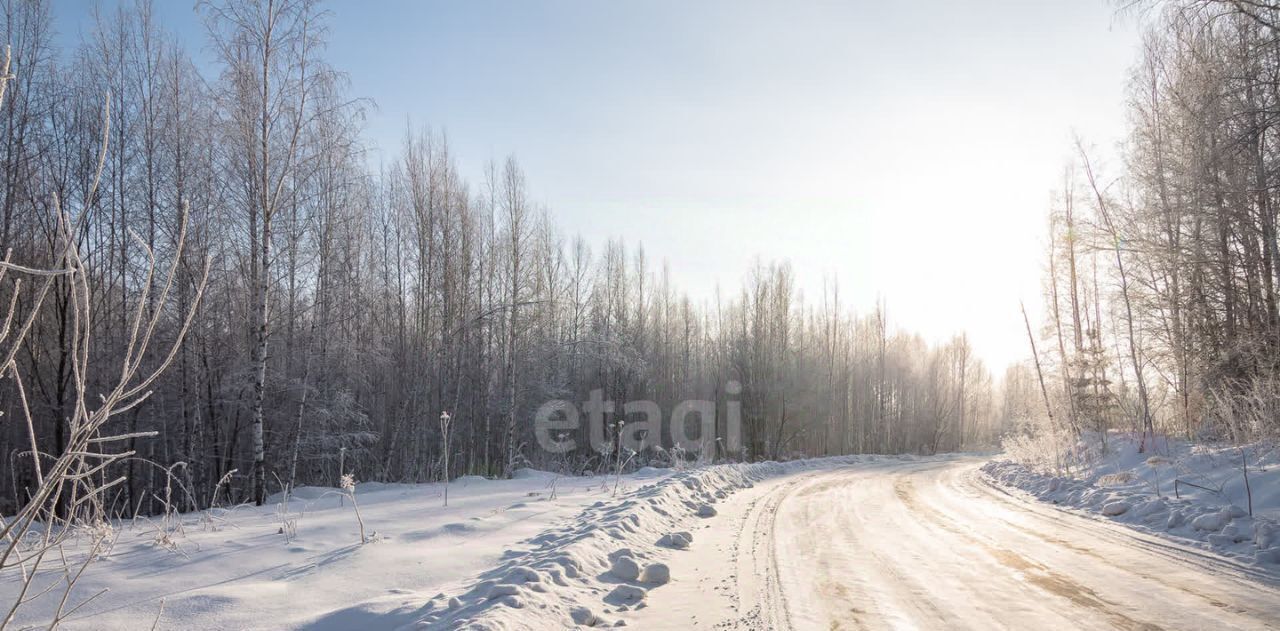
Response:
column 932, row 544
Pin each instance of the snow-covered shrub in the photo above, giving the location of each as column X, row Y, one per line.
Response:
column 1244, row 410
column 1044, row 451
column 288, row 523
column 1119, row 478
column 1156, row 462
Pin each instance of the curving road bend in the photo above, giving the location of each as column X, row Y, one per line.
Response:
column 930, row 544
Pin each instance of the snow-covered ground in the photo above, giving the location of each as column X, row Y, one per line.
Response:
column 502, row 555
column 236, row 569
column 1189, row 492
column 848, row 542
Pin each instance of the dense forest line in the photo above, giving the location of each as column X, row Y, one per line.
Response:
column 1163, row 270
column 346, row 307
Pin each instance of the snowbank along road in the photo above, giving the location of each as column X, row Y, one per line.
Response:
column 934, row 544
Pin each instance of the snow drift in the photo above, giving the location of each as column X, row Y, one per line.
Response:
column 1194, row 493
column 604, row 562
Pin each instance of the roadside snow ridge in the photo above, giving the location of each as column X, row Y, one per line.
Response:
column 604, row 562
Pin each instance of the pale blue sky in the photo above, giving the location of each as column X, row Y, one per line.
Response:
column 909, row 148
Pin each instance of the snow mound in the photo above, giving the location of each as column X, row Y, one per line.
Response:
column 583, row 616
column 676, row 540
column 1211, row 522
column 1112, row 509
column 626, row 595
column 656, row 574
column 625, row 568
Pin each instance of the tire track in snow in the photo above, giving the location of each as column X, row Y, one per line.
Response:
column 770, row 609
column 1012, row 513
column 1096, row 525
column 891, row 544
column 1035, row 573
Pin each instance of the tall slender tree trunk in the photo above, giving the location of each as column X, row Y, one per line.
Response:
column 262, row 323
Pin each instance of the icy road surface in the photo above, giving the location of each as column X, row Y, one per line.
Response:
column 931, row 544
